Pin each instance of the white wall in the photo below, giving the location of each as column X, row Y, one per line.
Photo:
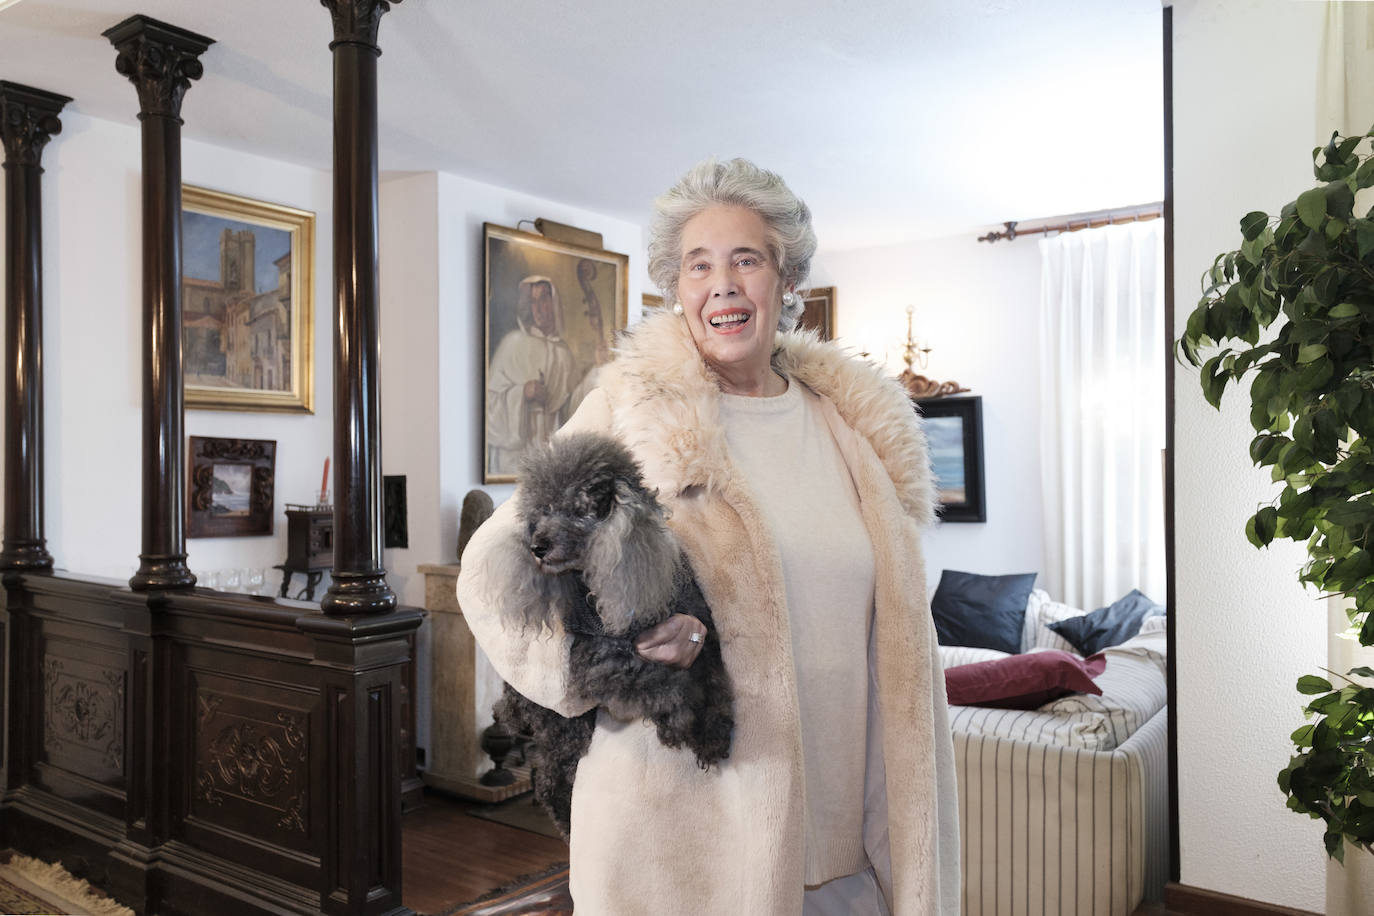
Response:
column 1244, row 101
column 92, row 348
column 408, row 262
column 433, row 350
column 976, row 304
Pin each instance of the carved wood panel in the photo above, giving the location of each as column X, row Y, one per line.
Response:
column 82, row 689
column 83, row 713
column 249, row 767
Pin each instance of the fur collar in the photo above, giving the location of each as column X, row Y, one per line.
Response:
column 667, row 408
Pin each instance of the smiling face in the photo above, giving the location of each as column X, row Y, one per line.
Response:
column 731, row 295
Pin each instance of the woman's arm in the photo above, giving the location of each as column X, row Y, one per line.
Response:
column 533, row 661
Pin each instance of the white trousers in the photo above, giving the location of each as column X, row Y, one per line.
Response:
column 852, row 895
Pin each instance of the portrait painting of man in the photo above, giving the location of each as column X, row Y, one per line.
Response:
column 552, row 310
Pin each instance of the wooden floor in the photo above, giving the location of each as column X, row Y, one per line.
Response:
column 449, row 857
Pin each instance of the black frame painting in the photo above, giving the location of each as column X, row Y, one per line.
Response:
column 954, row 435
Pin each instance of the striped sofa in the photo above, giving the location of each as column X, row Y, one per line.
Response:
column 1064, row 808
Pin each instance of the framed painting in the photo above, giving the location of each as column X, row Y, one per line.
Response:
column 552, row 310
column 651, row 301
column 247, row 292
column 954, row 435
column 231, row 484
column 818, row 311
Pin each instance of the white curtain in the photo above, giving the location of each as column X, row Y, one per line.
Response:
column 1102, row 358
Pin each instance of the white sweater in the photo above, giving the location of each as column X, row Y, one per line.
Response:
column 784, row 449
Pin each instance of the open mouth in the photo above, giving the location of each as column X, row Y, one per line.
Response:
column 729, row 321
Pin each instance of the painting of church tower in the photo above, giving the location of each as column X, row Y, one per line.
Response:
column 233, row 335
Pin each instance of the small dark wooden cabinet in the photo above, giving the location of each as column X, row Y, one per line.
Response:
column 309, row 537
column 309, row 546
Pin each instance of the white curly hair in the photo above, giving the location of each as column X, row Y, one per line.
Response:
column 737, row 182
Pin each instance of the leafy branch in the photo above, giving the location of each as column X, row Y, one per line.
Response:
column 1293, row 310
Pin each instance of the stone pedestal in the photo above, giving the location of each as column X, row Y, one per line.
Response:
column 455, row 753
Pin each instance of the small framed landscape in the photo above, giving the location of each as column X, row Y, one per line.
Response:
column 954, row 435
column 231, row 484
column 247, row 303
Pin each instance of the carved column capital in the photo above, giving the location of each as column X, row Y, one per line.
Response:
column 160, row 60
column 356, row 21
column 28, row 119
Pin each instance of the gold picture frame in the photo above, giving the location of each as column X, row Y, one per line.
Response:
column 552, row 310
column 246, row 348
column 819, row 311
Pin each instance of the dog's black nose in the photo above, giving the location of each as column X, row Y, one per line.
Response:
column 539, row 546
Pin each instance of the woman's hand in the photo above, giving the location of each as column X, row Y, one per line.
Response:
column 676, row 641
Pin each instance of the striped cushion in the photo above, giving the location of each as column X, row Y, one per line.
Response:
column 953, row 656
column 1088, row 730
column 1040, row 613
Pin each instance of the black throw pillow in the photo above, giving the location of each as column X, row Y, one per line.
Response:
column 1108, row 626
column 982, row 611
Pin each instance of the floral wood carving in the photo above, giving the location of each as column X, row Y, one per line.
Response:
column 160, row 60
column 84, row 711
column 357, row 21
column 259, row 762
column 28, row 119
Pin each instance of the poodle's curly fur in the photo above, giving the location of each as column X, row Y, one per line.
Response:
column 596, row 557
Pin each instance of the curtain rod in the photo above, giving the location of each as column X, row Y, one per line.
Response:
column 1109, row 218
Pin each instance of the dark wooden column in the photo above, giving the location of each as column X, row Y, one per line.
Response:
column 161, row 60
column 360, row 585
column 28, row 118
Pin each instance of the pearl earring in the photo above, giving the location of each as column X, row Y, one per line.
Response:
column 789, row 298
column 677, row 309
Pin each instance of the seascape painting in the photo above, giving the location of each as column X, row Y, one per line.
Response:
column 233, row 489
column 945, row 436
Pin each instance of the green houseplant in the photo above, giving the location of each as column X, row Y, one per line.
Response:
column 1293, row 309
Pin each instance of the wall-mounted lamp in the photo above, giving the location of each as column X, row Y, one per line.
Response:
column 915, row 352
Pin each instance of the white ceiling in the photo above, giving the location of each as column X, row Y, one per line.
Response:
column 895, row 119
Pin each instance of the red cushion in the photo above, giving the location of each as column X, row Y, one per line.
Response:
column 1023, row 681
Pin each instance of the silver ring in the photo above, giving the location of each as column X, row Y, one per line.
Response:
column 695, row 637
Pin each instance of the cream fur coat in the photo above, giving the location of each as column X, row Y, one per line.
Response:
column 652, row 833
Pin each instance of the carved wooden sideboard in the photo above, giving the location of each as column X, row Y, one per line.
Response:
column 194, row 752
column 198, row 752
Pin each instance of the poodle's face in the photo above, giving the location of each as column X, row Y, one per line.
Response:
column 560, row 533
column 570, row 492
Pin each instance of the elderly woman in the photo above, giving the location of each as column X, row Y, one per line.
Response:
column 797, row 480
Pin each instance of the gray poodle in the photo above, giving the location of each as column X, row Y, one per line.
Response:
column 596, row 557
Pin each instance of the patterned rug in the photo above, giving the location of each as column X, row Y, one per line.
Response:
column 544, row 894
column 28, row 886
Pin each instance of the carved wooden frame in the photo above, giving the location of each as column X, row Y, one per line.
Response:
column 205, row 517
column 298, row 394
column 510, row 256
